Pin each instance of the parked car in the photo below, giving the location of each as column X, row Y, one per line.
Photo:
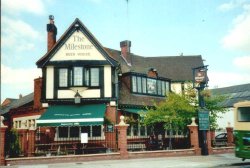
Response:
column 220, row 140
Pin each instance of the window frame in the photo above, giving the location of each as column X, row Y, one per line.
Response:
column 144, row 90
column 70, row 73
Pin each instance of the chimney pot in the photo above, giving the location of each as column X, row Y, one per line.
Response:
column 52, row 31
column 20, row 96
column 125, row 51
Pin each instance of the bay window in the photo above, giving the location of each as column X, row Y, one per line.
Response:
column 150, row 86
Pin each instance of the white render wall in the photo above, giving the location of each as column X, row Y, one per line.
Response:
column 107, row 81
column 50, row 82
column 85, row 51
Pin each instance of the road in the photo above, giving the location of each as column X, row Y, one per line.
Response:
column 217, row 161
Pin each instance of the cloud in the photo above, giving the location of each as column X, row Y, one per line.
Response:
column 18, row 6
column 19, row 34
column 19, row 77
column 242, row 63
column 231, row 5
column 238, row 37
column 224, row 79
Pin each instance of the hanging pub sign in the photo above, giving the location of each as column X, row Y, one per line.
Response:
column 200, row 76
column 203, row 116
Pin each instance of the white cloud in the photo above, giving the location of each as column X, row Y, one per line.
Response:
column 231, row 5
column 242, row 63
column 224, row 79
column 238, row 37
column 19, row 77
column 19, row 34
column 17, row 6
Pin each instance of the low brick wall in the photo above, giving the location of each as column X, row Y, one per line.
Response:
column 222, row 150
column 61, row 159
column 161, row 153
column 109, row 156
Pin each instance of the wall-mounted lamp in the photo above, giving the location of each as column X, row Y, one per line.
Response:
column 77, row 26
column 77, row 98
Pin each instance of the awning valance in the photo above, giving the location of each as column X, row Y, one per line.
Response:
column 134, row 110
column 73, row 115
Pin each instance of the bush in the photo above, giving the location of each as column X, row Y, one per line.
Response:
column 12, row 144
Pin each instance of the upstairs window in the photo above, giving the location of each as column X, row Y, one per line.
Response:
column 149, row 86
column 63, row 77
column 79, row 76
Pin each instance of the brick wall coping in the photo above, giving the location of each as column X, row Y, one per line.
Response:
column 65, row 156
column 223, row 148
column 164, row 151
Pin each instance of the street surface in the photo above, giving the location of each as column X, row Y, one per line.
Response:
column 217, row 161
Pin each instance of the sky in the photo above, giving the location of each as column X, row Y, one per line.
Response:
column 219, row 30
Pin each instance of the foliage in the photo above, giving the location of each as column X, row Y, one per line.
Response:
column 213, row 104
column 173, row 113
column 107, row 121
column 12, row 144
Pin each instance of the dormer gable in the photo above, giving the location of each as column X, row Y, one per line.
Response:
column 76, row 44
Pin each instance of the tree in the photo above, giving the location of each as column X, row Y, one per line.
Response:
column 173, row 113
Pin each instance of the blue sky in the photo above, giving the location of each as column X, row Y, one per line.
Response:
column 217, row 30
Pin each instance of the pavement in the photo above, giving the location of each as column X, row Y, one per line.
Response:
column 216, row 161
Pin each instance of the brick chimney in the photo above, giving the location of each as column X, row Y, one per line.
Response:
column 52, row 31
column 125, row 51
column 152, row 72
column 37, row 92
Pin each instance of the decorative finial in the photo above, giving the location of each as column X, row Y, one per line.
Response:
column 122, row 121
column 193, row 122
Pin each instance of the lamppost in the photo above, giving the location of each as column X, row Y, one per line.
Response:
column 200, row 81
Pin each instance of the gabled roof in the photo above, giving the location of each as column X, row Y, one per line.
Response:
column 17, row 103
column 44, row 60
column 235, row 94
column 177, row 68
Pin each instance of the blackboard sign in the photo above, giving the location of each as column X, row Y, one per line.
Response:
column 203, row 116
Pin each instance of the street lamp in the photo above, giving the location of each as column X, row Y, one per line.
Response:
column 200, row 81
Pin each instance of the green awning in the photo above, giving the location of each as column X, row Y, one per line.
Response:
column 134, row 110
column 73, row 115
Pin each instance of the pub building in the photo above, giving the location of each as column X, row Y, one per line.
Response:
column 86, row 87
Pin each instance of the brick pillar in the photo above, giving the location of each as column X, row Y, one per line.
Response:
column 3, row 129
column 31, row 142
column 194, row 139
column 37, row 93
column 122, row 138
column 23, row 140
column 230, row 137
column 209, row 143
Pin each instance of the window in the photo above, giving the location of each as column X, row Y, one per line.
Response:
column 63, row 77
column 144, row 85
column 78, row 75
column 139, row 84
column 151, row 85
column 94, row 76
column 163, row 88
column 96, row 131
column 74, row 131
column 243, row 114
column 159, row 87
column 63, row 132
column 134, row 86
column 86, row 129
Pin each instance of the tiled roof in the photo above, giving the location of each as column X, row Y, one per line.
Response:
column 234, row 93
column 177, row 68
column 18, row 103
